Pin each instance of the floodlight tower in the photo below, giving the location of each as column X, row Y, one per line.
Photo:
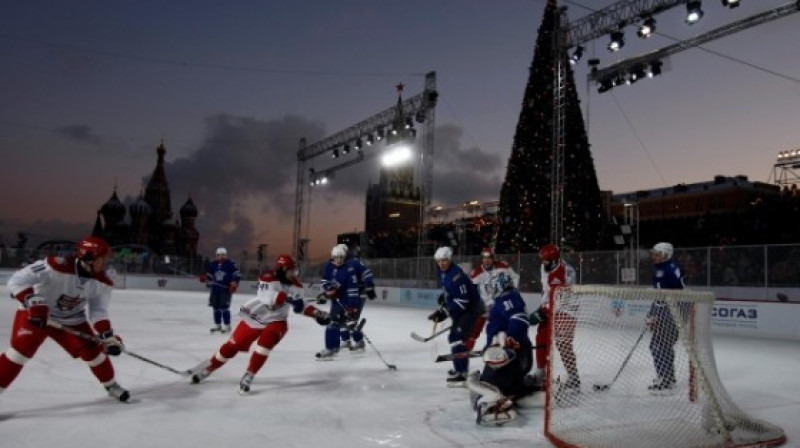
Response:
column 419, row 108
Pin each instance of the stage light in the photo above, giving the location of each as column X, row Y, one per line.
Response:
column 379, row 135
column 655, row 68
column 605, row 85
column 637, row 73
column 335, row 153
column 617, row 41
column 358, row 144
column 409, row 122
column 346, row 149
column 370, row 140
column 576, row 55
column 647, row 28
column 694, row 11
column 730, row 3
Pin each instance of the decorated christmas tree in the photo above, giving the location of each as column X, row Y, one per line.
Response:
column 524, row 219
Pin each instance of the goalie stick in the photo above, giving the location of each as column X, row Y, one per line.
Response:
column 605, row 387
column 472, row 354
column 97, row 340
column 366, row 338
column 419, row 338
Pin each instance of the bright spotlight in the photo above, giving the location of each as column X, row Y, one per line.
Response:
column 397, row 156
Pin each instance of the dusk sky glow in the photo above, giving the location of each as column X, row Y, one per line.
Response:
column 90, row 89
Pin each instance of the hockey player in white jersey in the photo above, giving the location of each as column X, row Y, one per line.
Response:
column 485, row 276
column 264, row 321
column 73, row 293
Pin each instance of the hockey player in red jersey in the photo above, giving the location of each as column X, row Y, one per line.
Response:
column 72, row 293
column 556, row 273
column 264, row 321
column 485, row 276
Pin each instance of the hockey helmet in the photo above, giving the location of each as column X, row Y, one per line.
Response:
column 550, row 252
column 92, row 248
column 443, row 253
column 663, row 249
column 339, row 250
column 487, row 252
column 504, row 281
column 285, row 262
column 222, row 251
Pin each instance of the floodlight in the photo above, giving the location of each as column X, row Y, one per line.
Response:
column 694, row 11
column 730, row 3
column 576, row 55
column 617, row 41
column 647, row 28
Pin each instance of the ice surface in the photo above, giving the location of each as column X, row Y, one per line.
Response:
column 297, row 401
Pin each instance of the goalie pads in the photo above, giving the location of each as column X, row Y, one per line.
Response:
column 492, row 408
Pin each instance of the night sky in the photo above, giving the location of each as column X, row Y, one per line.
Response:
column 89, row 90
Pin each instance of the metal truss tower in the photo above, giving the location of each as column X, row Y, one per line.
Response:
column 600, row 23
column 420, row 108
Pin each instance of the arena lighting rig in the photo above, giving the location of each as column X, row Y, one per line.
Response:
column 392, row 124
column 613, row 19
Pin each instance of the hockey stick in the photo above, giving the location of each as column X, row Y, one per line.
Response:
column 452, row 356
column 472, row 354
column 605, row 387
column 366, row 338
column 419, row 338
column 97, row 340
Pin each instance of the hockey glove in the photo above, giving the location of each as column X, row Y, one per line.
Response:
column 438, row 315
column 538, row 316
column 233, row 287
column 111, row 344
column 322, row 317
column 322, row 299
column 298, row 304
column 371, row 293
column 38, row 311
column 442, row 299
column 201, row 278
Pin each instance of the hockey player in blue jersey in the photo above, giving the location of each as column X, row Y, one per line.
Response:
column 508, row 358
column 343, row 281
column 461, row 302
column 222, row 278
column 667, row 274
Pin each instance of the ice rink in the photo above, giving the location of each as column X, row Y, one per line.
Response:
column 297, row 401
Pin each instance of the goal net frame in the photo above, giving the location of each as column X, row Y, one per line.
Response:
column 620, row 400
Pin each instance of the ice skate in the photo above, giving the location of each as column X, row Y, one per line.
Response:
column 358, row 346
column 348, row 344
column 216, row 329
column 225, row 329
column 244, row 384
column 116, row 391
column 456, row 379
column 199, row 372
column 662, row 386
column 326, row 354
column 568, row 392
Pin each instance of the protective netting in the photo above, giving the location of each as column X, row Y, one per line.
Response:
column 632, row 391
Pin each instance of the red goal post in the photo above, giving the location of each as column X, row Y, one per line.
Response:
column 616, row 353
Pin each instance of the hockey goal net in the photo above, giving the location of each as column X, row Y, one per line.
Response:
column 620, row 400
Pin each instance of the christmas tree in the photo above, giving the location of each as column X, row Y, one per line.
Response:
column 525, row 198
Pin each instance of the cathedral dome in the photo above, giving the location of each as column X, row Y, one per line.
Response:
column 140, row 207
column 188, row 209
column 113, row 210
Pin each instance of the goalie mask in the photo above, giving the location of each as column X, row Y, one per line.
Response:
column 503, row 282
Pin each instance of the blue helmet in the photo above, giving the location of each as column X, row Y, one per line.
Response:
column 504, row 281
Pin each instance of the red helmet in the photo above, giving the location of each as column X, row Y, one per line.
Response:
column 285, row 262
column 550, row 252
column 487, row 252
column 92, row 247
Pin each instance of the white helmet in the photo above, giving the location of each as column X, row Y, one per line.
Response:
column 663, row 249
column 339, row 250
column 443, row 253
column 222, row 251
